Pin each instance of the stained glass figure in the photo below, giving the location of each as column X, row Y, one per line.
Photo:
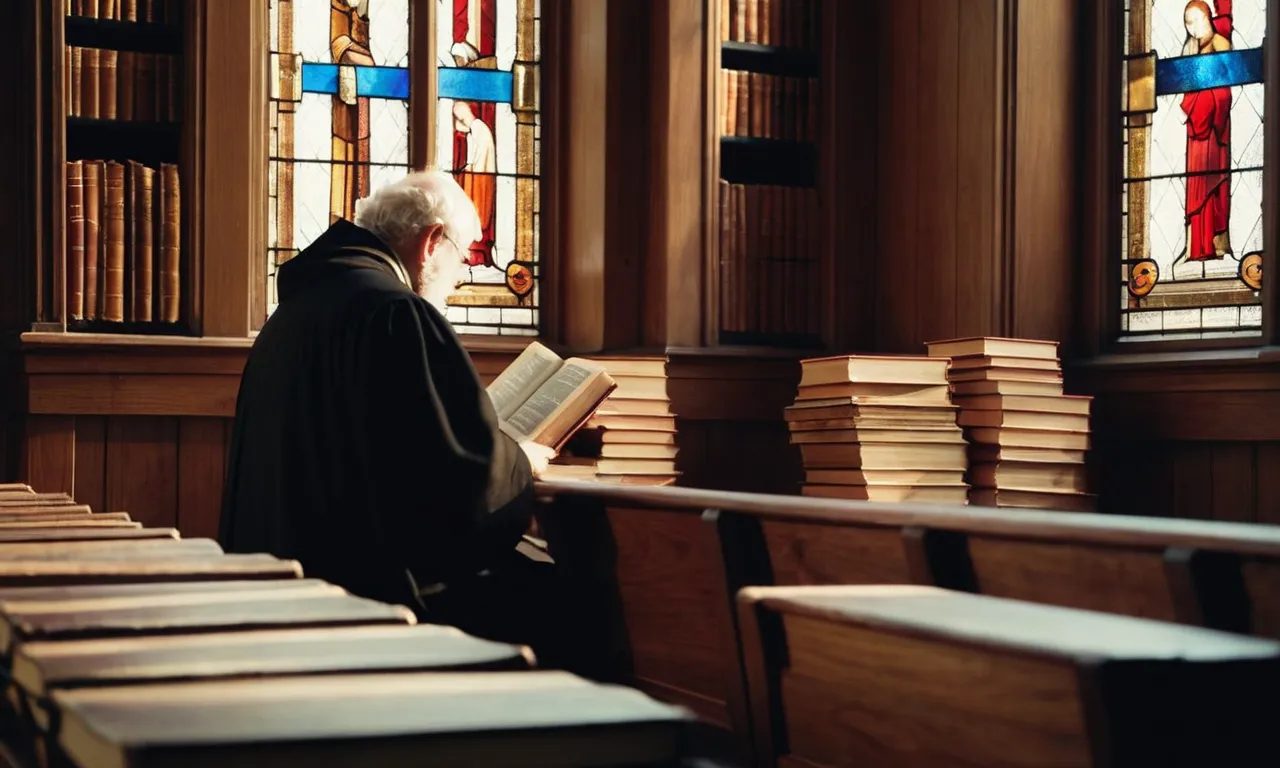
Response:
column 1193, row 102
column 488, row 136
column 339, row 113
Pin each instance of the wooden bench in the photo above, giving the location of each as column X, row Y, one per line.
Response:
column 919, row 676
column 223, row 651
column 663, row 564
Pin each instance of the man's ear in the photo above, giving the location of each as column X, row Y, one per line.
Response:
column 435, row 233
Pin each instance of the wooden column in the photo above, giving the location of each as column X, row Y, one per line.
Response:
column 978, row 172
column 675, row 275
column 233, row 132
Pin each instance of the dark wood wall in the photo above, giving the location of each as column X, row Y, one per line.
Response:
column 976, row 171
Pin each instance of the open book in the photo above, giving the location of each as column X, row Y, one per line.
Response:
column 545, row 399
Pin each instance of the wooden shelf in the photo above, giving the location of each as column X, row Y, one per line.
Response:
column 130, row 329
column 769, row 60
column 791, row 341
column 121, row 140
column 123, row 35
column 768, row 161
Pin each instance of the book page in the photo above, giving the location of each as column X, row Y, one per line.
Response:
column 526, row 373
column 542, row 404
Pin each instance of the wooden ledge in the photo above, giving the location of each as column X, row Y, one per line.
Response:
column 108, row 341
column 1215, row 359
column 1114, row 530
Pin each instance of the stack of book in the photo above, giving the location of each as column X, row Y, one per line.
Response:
column 1028, row 440
column 878, row 429
column 634, row 430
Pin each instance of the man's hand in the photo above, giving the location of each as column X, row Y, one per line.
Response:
column 539, row 456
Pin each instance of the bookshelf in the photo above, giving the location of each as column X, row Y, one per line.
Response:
column 768, row 261
column 120, row 253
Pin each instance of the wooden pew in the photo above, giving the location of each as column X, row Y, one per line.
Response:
column 497, row 718
column 80, row 533
column 674, row 557
column 139, row 549
column 161, row 609
column 918, row 676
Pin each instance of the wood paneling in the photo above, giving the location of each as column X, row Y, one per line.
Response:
column 1203, row 480
column 165, row 471
column 977, row 167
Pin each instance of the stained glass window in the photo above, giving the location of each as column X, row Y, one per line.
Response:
column 339, row 87
column 339, row 112
column 488, row 133
column 1193, row 101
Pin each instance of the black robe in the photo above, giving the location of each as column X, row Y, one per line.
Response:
column 365, row 445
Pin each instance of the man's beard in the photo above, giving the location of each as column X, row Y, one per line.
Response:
column 435, row 281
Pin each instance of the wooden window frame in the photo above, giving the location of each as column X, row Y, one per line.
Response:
column 1101, row 176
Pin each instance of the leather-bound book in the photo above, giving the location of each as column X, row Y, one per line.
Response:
column 94, row 171
column 89, row 80
column 125, row 76
column 144, row 93
column 76, row 78
column 173, row 80
column 75, row 240
column 170, row 219
column 107, row 60
column 142, row 200
column 113, row 284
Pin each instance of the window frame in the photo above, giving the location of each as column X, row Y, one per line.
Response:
column 1102, row 178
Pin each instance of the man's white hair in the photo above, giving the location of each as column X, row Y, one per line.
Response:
column 419, row 201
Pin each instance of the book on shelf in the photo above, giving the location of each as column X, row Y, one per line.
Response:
column 769, row 263
column 123, row 242
column 763, row 106
column 779, row 23
column 544, row 398
column 147, row 11
column 131, row 86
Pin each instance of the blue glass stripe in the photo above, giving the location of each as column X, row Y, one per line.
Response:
column 475, row 84
column 319, row 78
column 372, row 82
column 382, row 82
column 1208, row 70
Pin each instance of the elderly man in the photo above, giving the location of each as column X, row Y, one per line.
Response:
column 364, row 443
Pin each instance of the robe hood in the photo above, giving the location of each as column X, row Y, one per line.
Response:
column 342, row 248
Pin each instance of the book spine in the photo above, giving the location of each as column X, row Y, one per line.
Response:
column 170, row 253
column 144, row 93
column 77, row 85
column 93, row 188
column 107, row 84
column 75, row 240
column 113, row 284
column 89, row 83
column 143, row 228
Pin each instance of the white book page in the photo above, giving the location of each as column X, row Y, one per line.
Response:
column 522, row 378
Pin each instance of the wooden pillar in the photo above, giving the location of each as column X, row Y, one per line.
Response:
column 978, row 172
column 675, row 276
